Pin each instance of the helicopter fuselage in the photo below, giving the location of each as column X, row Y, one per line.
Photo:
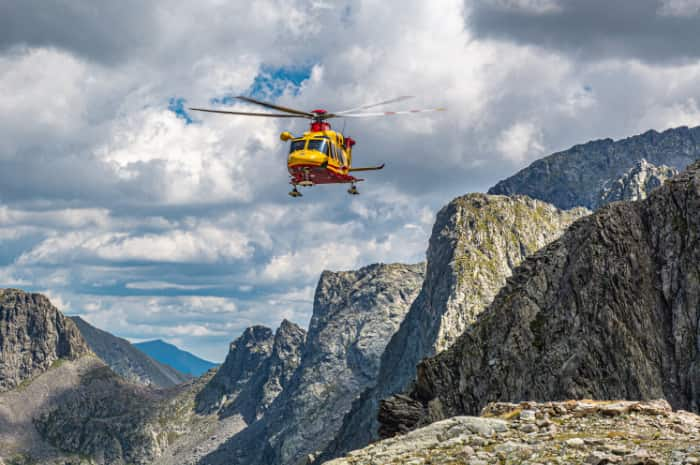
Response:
column 320, row 157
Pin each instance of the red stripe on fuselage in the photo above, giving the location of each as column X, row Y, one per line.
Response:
column 318, row 175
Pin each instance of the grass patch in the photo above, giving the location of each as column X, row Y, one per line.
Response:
column 57, row 363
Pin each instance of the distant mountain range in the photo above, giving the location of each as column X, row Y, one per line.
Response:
column 126, row 360
column 596, row 173
column 179, row 359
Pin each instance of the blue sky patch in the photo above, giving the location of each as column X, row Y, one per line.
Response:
column 177, row 106
column 270, row 83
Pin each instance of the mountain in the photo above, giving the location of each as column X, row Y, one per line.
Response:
column 62, row 405
column 571, row 432
column 355, row 314
column 126, row 360
column 637, row 183
column 257, row 369
column 582, row 175
column 172, row 356
column 34, row 335
column 608, row 311
column 476, row 241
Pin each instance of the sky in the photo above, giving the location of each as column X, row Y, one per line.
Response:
column 152, row 221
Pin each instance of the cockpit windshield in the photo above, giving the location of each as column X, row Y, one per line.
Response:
column 297, row 145
column 318, row 144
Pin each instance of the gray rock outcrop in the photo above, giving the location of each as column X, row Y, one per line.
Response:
column 637, row 183
column 355, row 314
column 33, row 336
column 610, row 310
column 126, row 360
column 579, row 176
column 257, row 369
column 571, row 432
column 476, row 241
column 282, row 364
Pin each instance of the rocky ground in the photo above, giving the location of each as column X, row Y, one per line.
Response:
column 570, row 432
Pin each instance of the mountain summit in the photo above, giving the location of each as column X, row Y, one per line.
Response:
column 175, row 357
column 33, row 336
column 584, row 174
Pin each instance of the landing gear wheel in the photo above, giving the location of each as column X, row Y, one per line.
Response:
column 353, row 190
column 294, row 192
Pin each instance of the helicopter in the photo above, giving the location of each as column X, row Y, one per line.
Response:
column 321, row 155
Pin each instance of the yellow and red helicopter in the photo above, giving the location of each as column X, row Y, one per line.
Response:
column 321, row 155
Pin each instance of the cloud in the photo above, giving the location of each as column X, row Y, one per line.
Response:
column 102, row 31
column 654, row 31
column 682, row 8
column 519, row 141
column 201, row 245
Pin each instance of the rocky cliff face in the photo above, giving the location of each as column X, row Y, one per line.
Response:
column 283, row 363
column 67, row 406
column 637, row 183
column 257, row 369
column 610, row 310
column 581, row 175
column 476, row 242
column 355, row 314
column 33, row 336
column 126, row 360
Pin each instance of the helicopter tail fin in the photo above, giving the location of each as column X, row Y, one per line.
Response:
column 368, row 168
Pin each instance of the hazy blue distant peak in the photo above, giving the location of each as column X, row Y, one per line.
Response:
column 177, row 358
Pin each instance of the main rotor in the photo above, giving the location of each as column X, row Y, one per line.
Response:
column 319, row 118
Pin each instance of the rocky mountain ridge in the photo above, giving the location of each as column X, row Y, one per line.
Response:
column 257, row 369
column 476, row 241
column 581, row 175
column 637, row 183
column 33, row 336
column 610, row 310
column 355, row 313
column 126, row 360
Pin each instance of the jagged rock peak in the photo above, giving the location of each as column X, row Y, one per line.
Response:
column 610, row 310
column 637, row 183
column 243, row 365
column 257, row 369
column 283, row 362
column 355, row 314
column 578, row 176
column 476, row 241
column 33, row 335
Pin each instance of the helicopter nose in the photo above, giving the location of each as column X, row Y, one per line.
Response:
column 306, row 157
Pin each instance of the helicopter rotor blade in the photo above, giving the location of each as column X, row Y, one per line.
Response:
column 385, row 113
column 276, row 107
column 372, row 105
column 245, row 113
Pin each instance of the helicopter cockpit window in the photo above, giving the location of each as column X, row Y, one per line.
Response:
column 297, row 145
column 320, row 145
